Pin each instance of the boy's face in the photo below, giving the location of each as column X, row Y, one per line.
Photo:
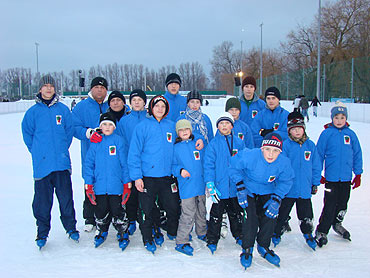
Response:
column 107, row 128
column 173, row 88
column 248, row 91
column 270, row 153
column 272, row 102
column 47, row 91
column 296, row 132
column 184, row 133
column 339, row 120
column 235, row 112
column 159, row 109
column 225, row 127
column 116, row 104
column 194, row 104
column 137, row 104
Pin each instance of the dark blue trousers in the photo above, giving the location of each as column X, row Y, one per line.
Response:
column 60, row 181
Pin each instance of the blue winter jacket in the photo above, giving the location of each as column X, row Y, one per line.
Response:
column 216, row 163
column 248, row 113
column 307, row 168
column 196, row 130
column 267, row 119
column 48, row 132
column 341, row 151
column 106, row 166
column 243, row 132
column 259, row 176
column 177, row 105
column 187, row 157
column 86, row 114
column 151, row 149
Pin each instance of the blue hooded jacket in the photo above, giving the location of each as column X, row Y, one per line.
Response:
column 267, row 119
column 259, row 176
column 307, row 168
column 106, row 166
column 48, row 132
column 187, row 157
column 151, row 149
column 177, row 105
column 248, row 113
column 341, row 151
column 216, row 163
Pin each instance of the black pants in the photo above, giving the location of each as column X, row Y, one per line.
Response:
column 109, row 209
column 256, row 225
column 88, row 211
column 132, row 204
column 167, row 192
column 231, row 206
column 335, row 204
column 60, row 181
column 304, row 213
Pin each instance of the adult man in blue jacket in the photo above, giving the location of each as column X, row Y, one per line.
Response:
column 177, row 102
column 86, row 116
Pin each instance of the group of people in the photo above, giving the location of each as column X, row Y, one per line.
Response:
column 138, row 162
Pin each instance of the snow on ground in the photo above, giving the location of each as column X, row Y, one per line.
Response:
column 19, row 256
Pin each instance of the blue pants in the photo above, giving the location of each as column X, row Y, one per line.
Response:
column 43, row 201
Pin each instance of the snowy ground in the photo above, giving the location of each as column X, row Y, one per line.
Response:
column 19, row 256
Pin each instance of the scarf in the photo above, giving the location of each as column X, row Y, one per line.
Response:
column 301, row 140
column 196, row 118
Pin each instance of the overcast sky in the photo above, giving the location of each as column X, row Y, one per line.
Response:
column 79, row 34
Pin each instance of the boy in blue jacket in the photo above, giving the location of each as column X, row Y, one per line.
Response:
column 222, row 190
column 339, row 147
column 176, row 101
column 47, row 130
column 187, row 167
column 263, row 177
column 271, row 119
column 107, row 182
column 307, row 169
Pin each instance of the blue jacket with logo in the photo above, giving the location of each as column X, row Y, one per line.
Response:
column 248, row 113
column 243, row 132
column 196, row 130
column 259, row 176
column 307, row 168
column 177, row 105
column 341, row 151
column 48, row 132
column 151, row 149
column 216, row 163
column 106, row 166
column 267, row 119
column 187, row 157
column 86, row 114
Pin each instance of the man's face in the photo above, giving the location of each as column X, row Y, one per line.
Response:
column 107, row 128
column 173, row 88
column 235, row 112
column 99, row 93
column 296, row 132
column 225, row 127
column 159, row 109
column 339, row 120
column 248, row 91
column 47, row 91
column 272, row 102
column 137, row 104
column 116, row 104
column 194, row 104
column 270, row 153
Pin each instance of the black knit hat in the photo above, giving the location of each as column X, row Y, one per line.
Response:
column 173, row 78
column 249, row 80
column 46, row 79
column 194, row 95
column 107, row 117
column 273, row 140
column 233, row 103
column 138, row 93
column 296, row 119
column 273, row 91
column 99, row 81
column 114, row 94
column 154, row 101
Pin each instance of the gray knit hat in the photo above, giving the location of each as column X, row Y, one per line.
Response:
column 182, row 124
column 194, row 95
column 233, row 103
column 46, row 79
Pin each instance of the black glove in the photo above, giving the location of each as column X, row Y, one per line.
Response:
column 264, row 132
column 314, row 189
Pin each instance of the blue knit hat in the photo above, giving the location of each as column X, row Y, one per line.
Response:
column 339, row 108
column 273, row 140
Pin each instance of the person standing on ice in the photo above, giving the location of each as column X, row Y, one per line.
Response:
column 314, row 103
column 176, row 102
column 305, row 161
column 86, row 116
column 339, row 147
column 263, row 177
column 47, row 130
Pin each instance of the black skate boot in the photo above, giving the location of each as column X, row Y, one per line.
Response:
column 340, row 230
column 321, row 239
